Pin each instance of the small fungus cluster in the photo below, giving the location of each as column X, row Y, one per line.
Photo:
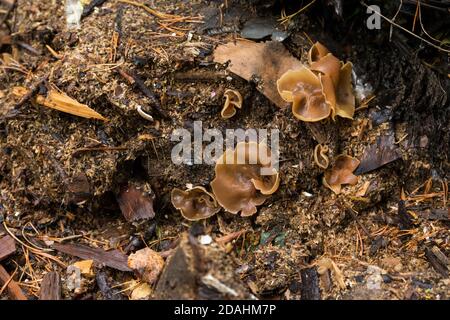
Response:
column 321, row 90
column 245, row 178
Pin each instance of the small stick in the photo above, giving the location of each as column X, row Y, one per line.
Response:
column 98, row 149
column 350, row 210
column 91, row 6
column 136, row 81
column 31, row 93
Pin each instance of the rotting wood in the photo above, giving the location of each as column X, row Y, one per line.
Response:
column 7, row 247
column 437, row 264
column 13, row 288
column 113, row 258
column 50, row 287
column 310, row 284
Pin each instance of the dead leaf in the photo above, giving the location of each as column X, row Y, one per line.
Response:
column 263, row 61
column 147, row 264
column 113, row 258
column 378, row 154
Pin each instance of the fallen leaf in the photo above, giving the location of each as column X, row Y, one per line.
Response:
column 113, row 258
column 265, row 61
column 382, row 152
column 135, row 204
column 363, row 190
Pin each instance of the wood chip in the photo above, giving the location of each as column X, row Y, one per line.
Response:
column 64, row 103
column 7, row 247
column 435, row 261
column 13, row 288
column 50, row 287
column 141, row 292
column 113, row 258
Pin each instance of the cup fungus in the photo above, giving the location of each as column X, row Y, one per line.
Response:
column 322, row 89
column 304, row 89
column 239, row 185
column 233, row 100
column 194, row 204
column 320, row 156
column 341, row 173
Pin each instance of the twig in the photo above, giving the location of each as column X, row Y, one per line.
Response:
column 406, row 30
column 153, row 12
column 98, row 149
column 31, row 93
column 136, row 81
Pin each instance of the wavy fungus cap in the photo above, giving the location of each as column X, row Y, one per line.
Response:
column 326, row 72
column 194, row 204
column 317, row 52
column 345, row 99
column 233, row 100
column 304, row 89
column 239, row 185
column 341, row 173
column 342, row 99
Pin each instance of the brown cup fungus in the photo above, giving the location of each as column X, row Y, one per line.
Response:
column 245, row 177
column 320, row 90
column 233, row 100
column 194, row 204
column 320, row 156
column 341, row 173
